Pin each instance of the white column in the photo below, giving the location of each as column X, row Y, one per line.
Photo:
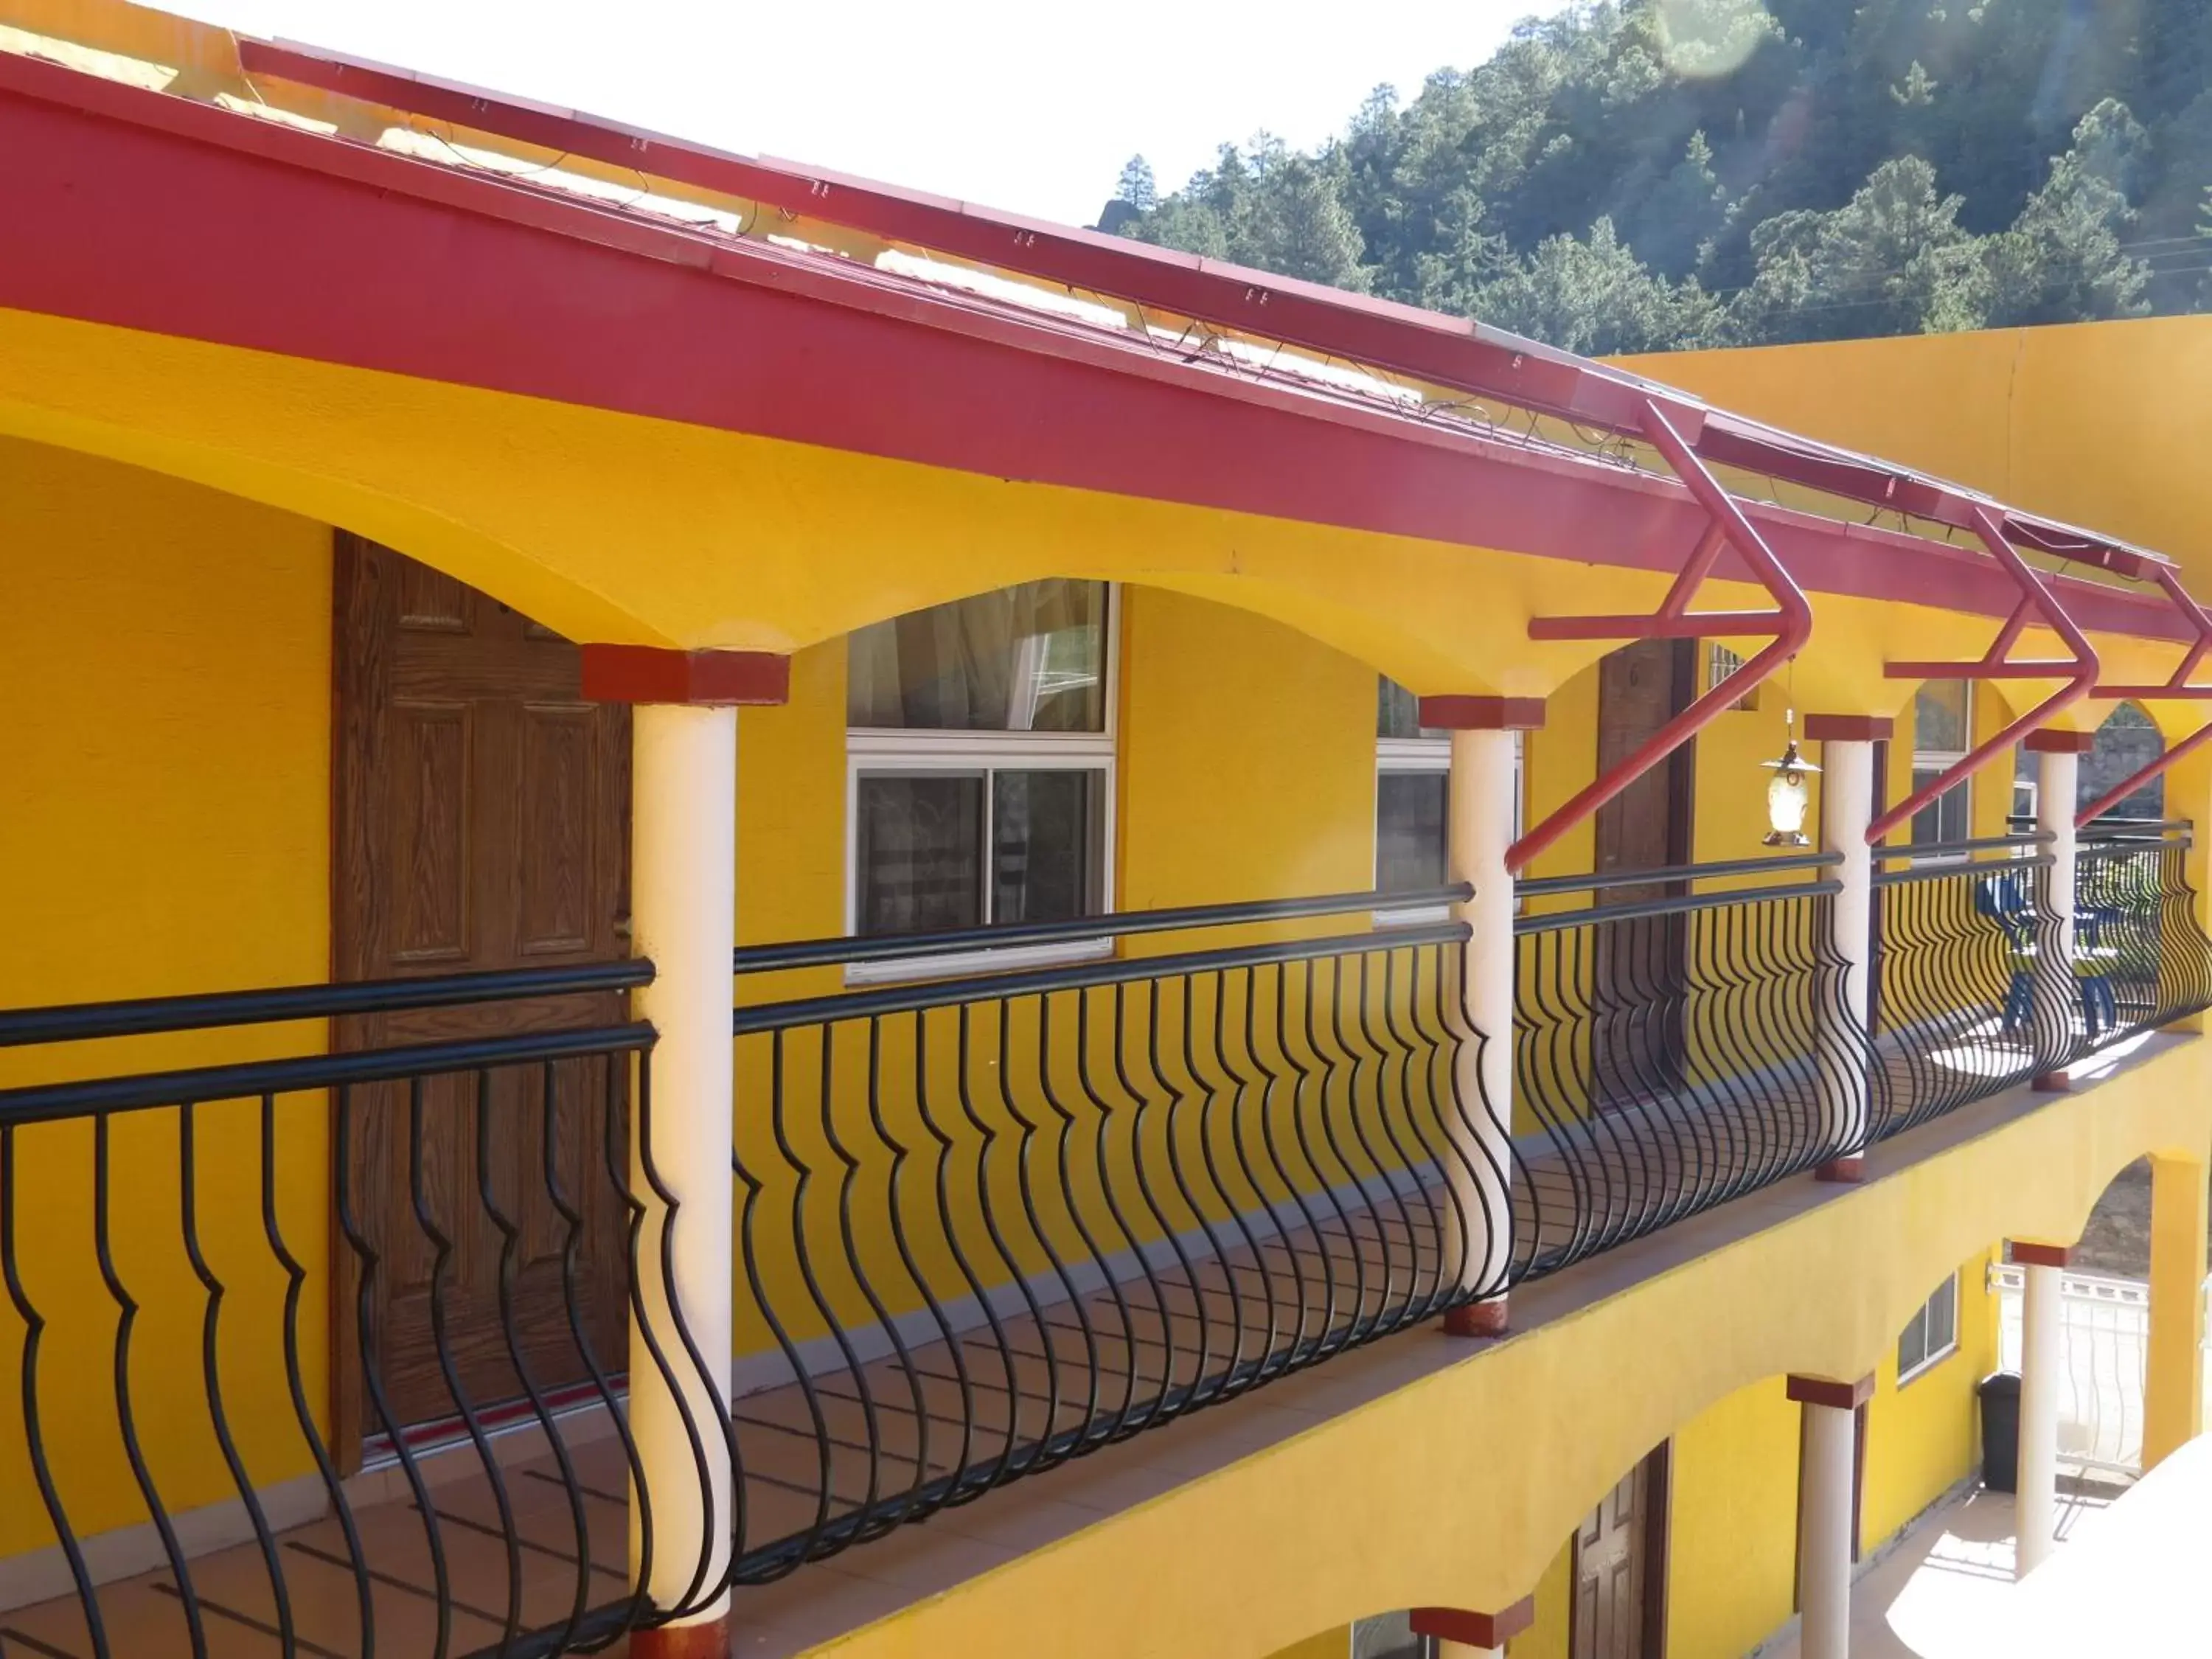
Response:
column 2054, row 997
column 2035, row 1505
column 1482, row 833
column 1846, row 809
column 1824, row 1542
column 683, row 899
column 1448, row 1649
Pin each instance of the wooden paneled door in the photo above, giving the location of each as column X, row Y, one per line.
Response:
column 1639, row 973
column 480, row 822
column 1619, row 1609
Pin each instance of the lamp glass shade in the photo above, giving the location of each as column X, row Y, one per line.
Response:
column 1788, row 798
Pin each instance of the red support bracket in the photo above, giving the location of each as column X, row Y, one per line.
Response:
column 2078, row 669
column 2176, row 688
column 1789, row 625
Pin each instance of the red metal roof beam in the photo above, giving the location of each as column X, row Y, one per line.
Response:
column 2177, row 688
column 1450, row 352
column 1790, row 625
column 2078, row 669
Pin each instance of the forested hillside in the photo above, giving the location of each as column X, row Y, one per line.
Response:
column 1635, row 175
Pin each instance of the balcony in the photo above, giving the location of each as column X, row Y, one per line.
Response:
column 985, row 1227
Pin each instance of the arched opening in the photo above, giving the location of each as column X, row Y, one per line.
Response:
column 2126, row 741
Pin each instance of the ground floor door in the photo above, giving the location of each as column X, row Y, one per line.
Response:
column 480, row 822
column 1637, row 976
column 1619, row 1609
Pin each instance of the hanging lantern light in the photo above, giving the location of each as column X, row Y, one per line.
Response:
column 1788, row 797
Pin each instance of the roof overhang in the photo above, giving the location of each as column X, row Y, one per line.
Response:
column 175, row 214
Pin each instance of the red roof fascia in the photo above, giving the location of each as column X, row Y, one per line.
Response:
column 1447, row 351
column 166, row 215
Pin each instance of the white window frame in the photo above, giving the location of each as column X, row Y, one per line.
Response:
column 912, row 752
column 1931, row 1358
column 1942, row 760
column 1430, row 754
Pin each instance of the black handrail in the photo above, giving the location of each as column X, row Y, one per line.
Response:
column 1936, row 870
column 987, row 988
column 1121, row 924
column 1554, row 922
column 1588, row 884
column 43, row 1103
column 1952, row 849
column 80, row 1022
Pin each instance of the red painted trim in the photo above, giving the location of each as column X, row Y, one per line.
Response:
column 1848, row 1170
column 1486, row 1318
column 1850, row 728
column 379, row 261
column 710, row 1640
column 2176, row 684
column 2036, row 599
column 2051, row 740
column 1452, row 350
column 1462, row 714
column 1445, row 350
column 1827, row 1391
column 2042, row 1255
column 1790, row 623
column 1476, row 1630
column 641, row 673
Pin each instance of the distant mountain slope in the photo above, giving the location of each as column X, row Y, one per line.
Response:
column 1635, row 175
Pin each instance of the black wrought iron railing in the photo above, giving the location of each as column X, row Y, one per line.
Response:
column 984, row 1223
column 1973, row 992
column 989, row 1224
column 1676, row 1043
column 1969, row 994
column 174, row 1241
column 2140, row 958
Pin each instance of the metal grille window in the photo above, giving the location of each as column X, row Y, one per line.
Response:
column 1942, row 732
column 1720, row 663
column 1389, row 1636
column 979, row 761
column 1931, row 1335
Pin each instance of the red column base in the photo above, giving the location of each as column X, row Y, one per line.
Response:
column 1849, row 1170
column 2053, row 1083
column 1483, row 1318
column 708, row 1641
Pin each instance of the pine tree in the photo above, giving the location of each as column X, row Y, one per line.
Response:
column 1137, row 187
column 2063, row 261
column 1821, row 168
column 1595, row 296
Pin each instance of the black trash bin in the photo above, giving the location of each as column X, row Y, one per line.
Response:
column 2000, row 1396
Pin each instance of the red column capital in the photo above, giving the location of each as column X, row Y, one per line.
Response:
column 645, row 673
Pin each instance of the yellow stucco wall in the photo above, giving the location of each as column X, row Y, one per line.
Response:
column 1923, row 1437
column 165, row 662
column 1248, row 759
column 1734, row 1523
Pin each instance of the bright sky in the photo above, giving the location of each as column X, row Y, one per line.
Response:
column 1010, row 103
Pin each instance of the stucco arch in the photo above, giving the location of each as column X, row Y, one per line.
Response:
column 615, row 527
